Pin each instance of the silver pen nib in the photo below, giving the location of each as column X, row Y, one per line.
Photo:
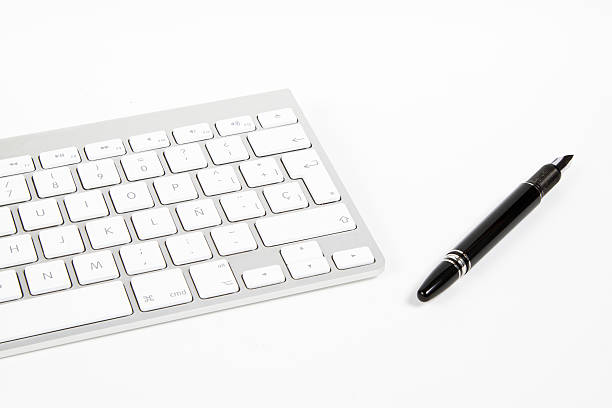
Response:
column 562, row 162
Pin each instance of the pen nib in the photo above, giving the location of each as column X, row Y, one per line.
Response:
column 562, row 162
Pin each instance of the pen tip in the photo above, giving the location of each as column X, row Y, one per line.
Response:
column 562, row 162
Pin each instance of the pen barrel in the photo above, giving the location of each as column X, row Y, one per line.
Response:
column 490, row 231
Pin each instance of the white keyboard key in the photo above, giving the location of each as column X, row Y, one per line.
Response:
column 278, row 140
column 161, row 289
column 285, row 197
column 17, row 250
column 227, row 150
column 95, row 267
column 261, row 172
column 218, row 180
column 40, row 214
column 213, row 279
column 50, row 183
column 131, row 197
column 279, row 117
column 188, row 248
column 303, row 251
column 60, row 157
column 140, row 258
column 308, row 166
column 13, row 190
column 185, row 158
column 352, row 258
column 233, row 126
column 16, row 165
column 198, row 214
column 149, row 141
column 97, row 174
column 311, row 267
column 242, row 206
column 233, row 239
column 63, row 310
column 192, row 133
column 306, row 224
column 174, row 189
column 9, row 286
column 142, row 166
column 47, row 277
column 7, row 224
column 105, row 149
column 266, row 276
column 61, row 241
column 107, row 232
column 153, row 223
column 85, row 206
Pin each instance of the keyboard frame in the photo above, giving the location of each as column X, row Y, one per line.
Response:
column 123, row 128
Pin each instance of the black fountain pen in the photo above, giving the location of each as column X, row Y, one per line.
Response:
column 484, row 237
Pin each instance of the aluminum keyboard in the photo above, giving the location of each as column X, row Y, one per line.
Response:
column 136, row 221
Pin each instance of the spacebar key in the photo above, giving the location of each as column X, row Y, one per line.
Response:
column 307, row 224
column 63, row 310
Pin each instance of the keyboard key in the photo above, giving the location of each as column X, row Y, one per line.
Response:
column 47, row 277
column 7, row 224
column 153, row 223
column 131, row 197
column 85, row 206
column 140, row 258
column 142, row 166
column 261, row 172
column 188, row 248
column 303, row 251
column 227, row 150
column 279, row 117
column 308, row 166
column 40, row 214
column 198, row 214
column 306, row 224
column 213, row 279
column 174, row 189
column 61, row 241
column 285, row 197
column 266, row 276
column 192, row 133
column 233, row 239
column 54, row 182
column 242, row 206
column 63, row 310
column 219, row 180
column 311, row 267
column 97, row 174
column 185, row 158
column 161, row 289
column 351, row 258
column 107, row 232
column 95, row 267
column 60, row 157
column 9, row 286
column 149, row 141
column 105, row 149
column 14, row 190
column 233, row 126
column 16, row 165
column 17, row 250
column 278, row 140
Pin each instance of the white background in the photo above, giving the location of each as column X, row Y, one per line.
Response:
column 432, row 112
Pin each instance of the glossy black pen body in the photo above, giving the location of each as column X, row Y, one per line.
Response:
column 492, row 229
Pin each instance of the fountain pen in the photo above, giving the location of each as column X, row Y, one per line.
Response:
column 489, row 232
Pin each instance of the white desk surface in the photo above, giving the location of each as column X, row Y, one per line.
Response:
column 432, row 114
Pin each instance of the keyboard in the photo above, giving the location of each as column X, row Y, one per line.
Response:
column 131, row 222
